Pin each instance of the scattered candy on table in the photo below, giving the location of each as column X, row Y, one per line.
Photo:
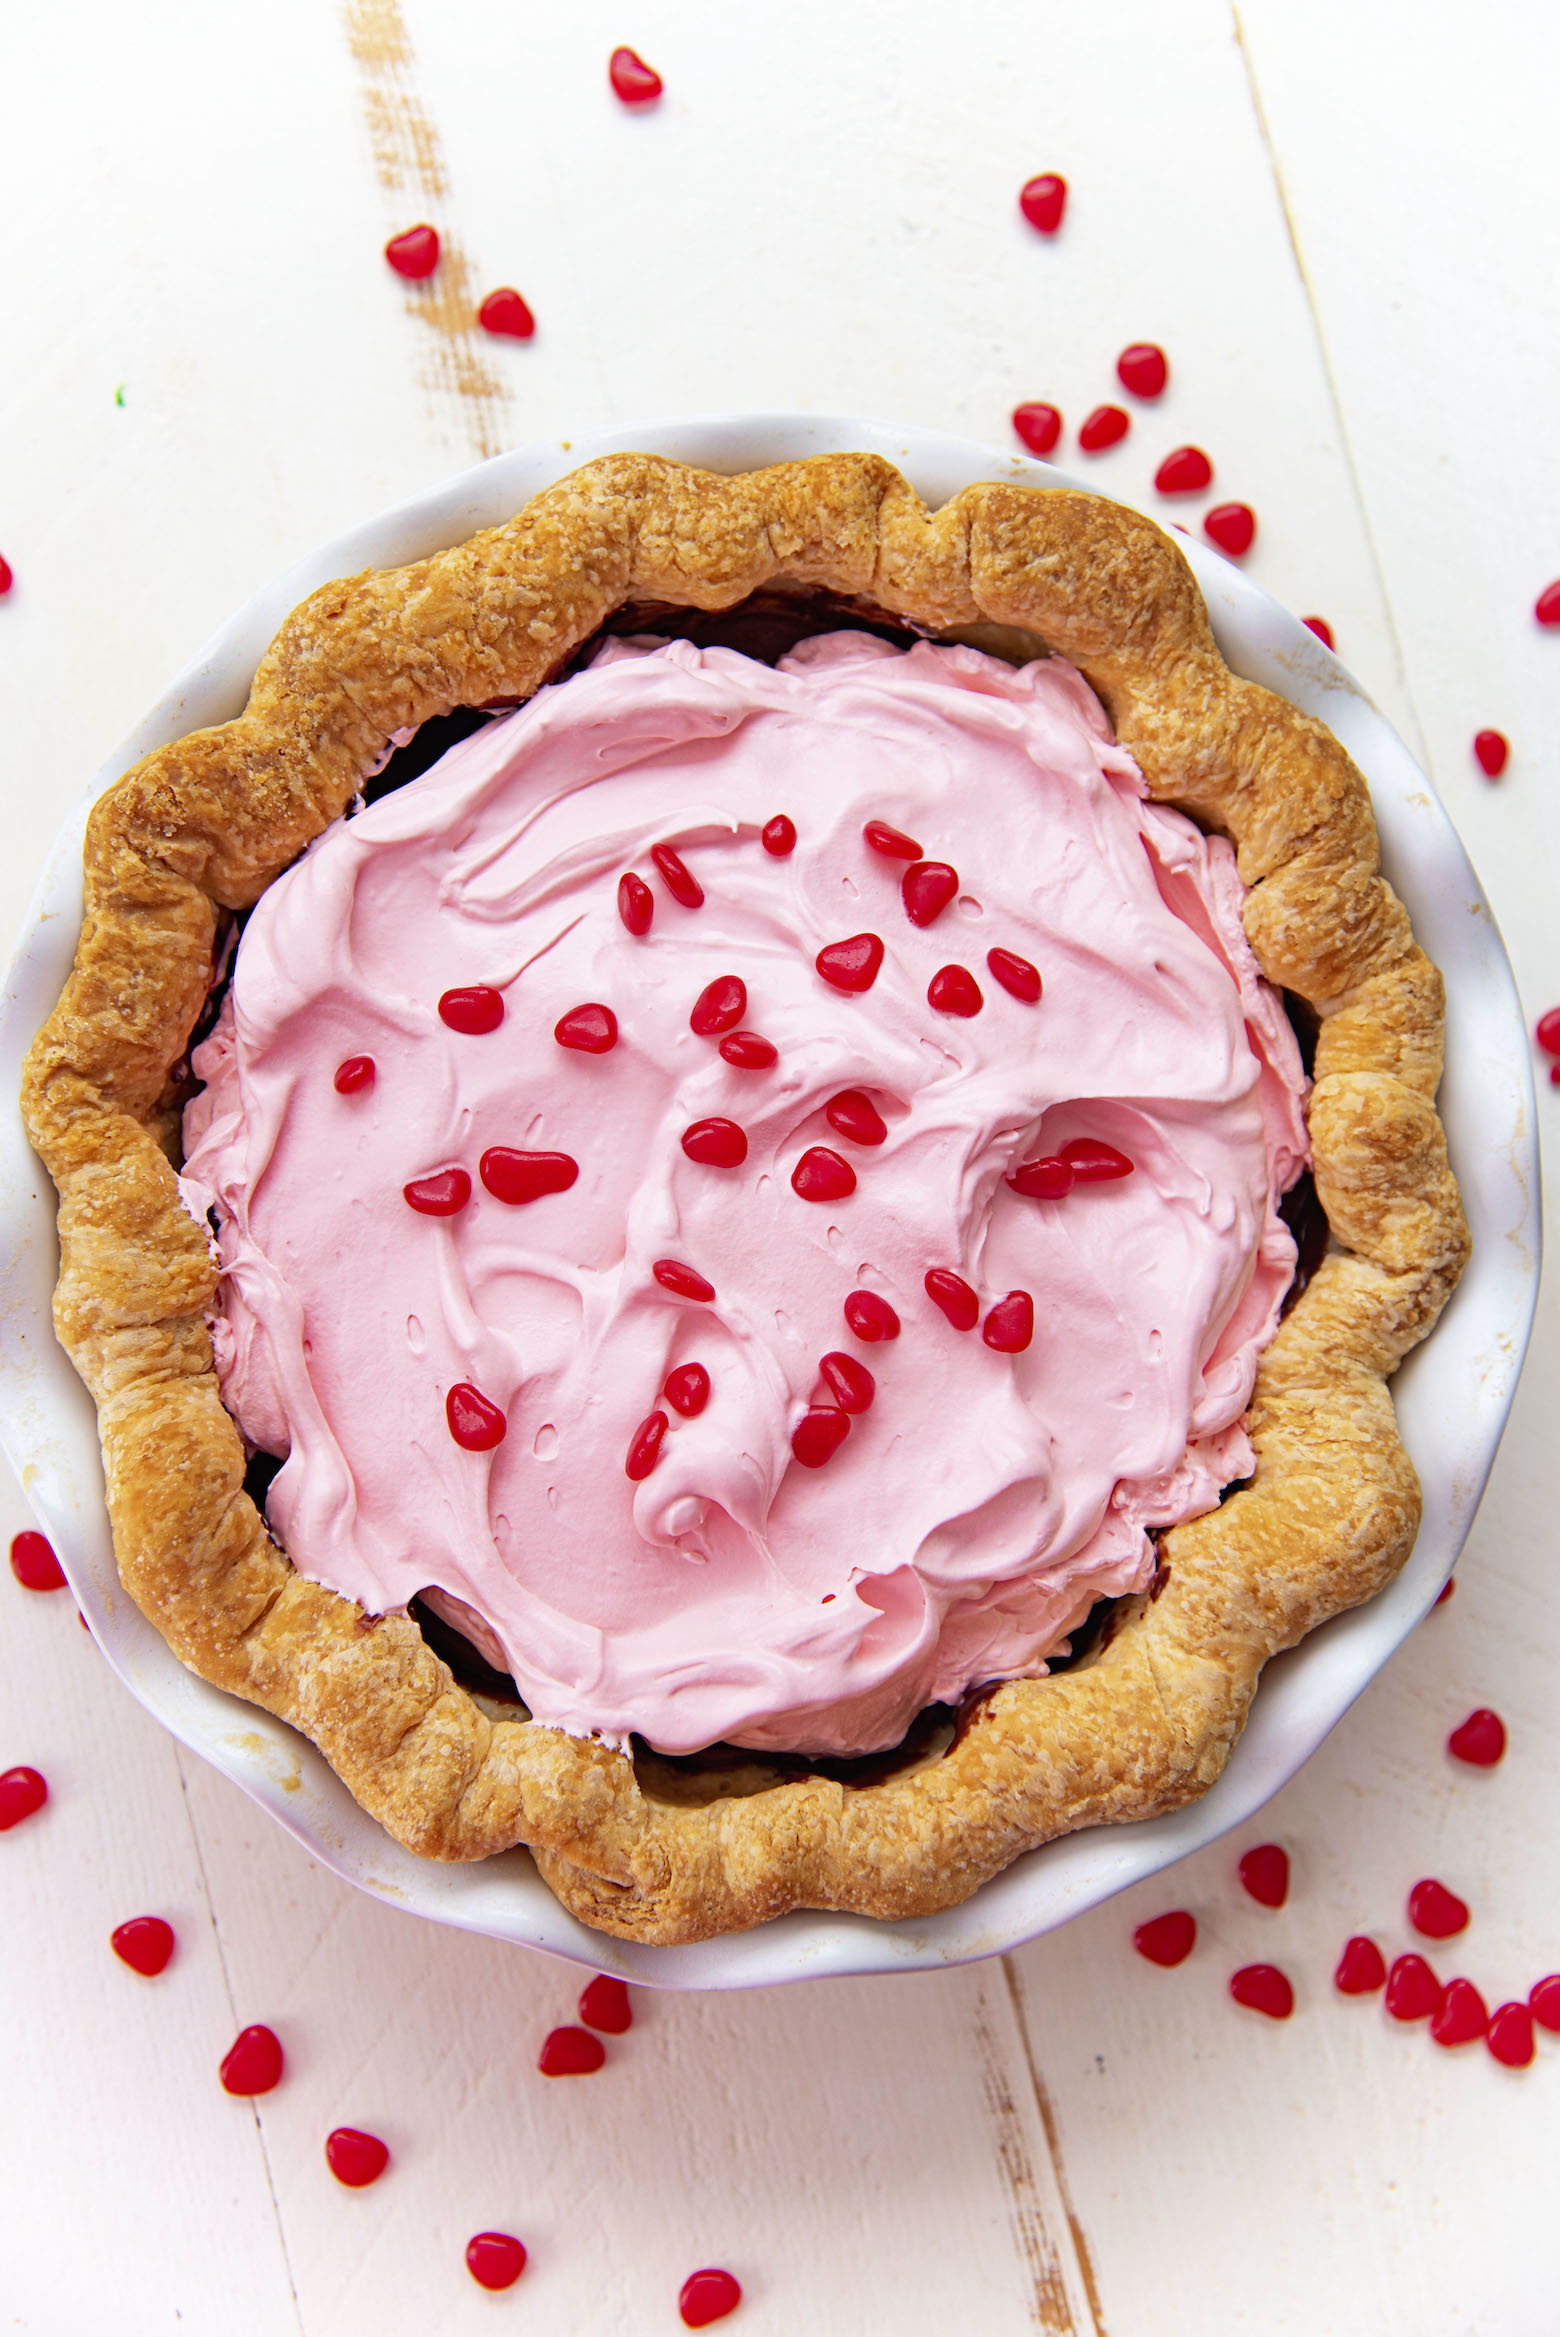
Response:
column 1167, row 1940
column 34, row 1564
column 708, row 2296
column 23, row 1793
column 1043, row 200
column 1435, row 1912
column 1038, row 425
column 570, row 2053
column 414, row 253
column 634, row 82
column 506, row 315
column 1143, row 369
column 253, row 2063
column 1264, row 1874
column 1361, row 1969
column 145, row 1943
column 1233, row 527
column 1106, row 426
column 495, row 2259
column 1185, row 472
column 354, row 2158
column 1264, row 1988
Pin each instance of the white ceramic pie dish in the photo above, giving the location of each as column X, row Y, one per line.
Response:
column 1452, row 1395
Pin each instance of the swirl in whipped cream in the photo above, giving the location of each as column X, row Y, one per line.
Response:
column 968, row 1518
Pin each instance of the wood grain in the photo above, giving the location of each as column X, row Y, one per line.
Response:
column 408, row 159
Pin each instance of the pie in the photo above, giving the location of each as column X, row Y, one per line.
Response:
column 759, row 1575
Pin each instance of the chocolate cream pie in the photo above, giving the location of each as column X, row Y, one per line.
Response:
column 712, row 1287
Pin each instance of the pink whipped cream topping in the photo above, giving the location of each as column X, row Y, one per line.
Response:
column 985, row 1500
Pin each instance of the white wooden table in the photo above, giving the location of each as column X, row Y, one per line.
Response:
column 1339, row 222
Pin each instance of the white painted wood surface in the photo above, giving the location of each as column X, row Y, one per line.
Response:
column 1338, row 220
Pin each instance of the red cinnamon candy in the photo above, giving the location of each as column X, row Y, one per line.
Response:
column 1362, row 1968
column 821, row 1175
column 778, row 836
column 506, row 315
column 633, row 81
column 708, row 2295
column 851, row 965
column 1106, row 426
column 687, row 1389
column 1232, row 526
column 1510, row 2036
column 474, row 1011
column 636, row 904
column 871, row 1317
column 1492, row 751
column 1547, row 1031
column 1320, row 627
column 953, row 1295
column 145, row 1943
column 355, row 1074
column 1093, row 1162
column 1263, row 1988
column 1038, row 425
column 570, row 2053
column 954, row 990
column 589, row 1030
column 1264, row 1874
column 926, row 889
column 1435, row 1912
column 1167, row 1940
column 444, row 1194
column 604, row 2005
column 818, row 1435
column 1547, row 606
column 253, row 2063
column 1143, row 368
column 477, row 1425
column 1187, row 471
column 849, row 1382
column 355, row 2159
column 414, row 253
column 719, row 1007
column 23, row 1792
column 852, row 1113
column 495, row 2260
column 1413, row 1991
column 1043, row 200
column 1461, row 2016
column 1010, row 1326
column 715, row 1143
column 1544, row 2002
column 1480, row 1740
column 645, row 1447
column 746, row 1051
column 516, row 1178
column 1017, row 976
column 683, row 1281
column 33, row 1562
column 892, row 843
column 677, row 877
column 1045, row 1179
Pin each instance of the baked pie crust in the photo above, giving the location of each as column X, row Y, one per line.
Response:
column 1145, row 1721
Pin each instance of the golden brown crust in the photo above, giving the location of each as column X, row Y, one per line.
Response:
column 1147, row 1720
